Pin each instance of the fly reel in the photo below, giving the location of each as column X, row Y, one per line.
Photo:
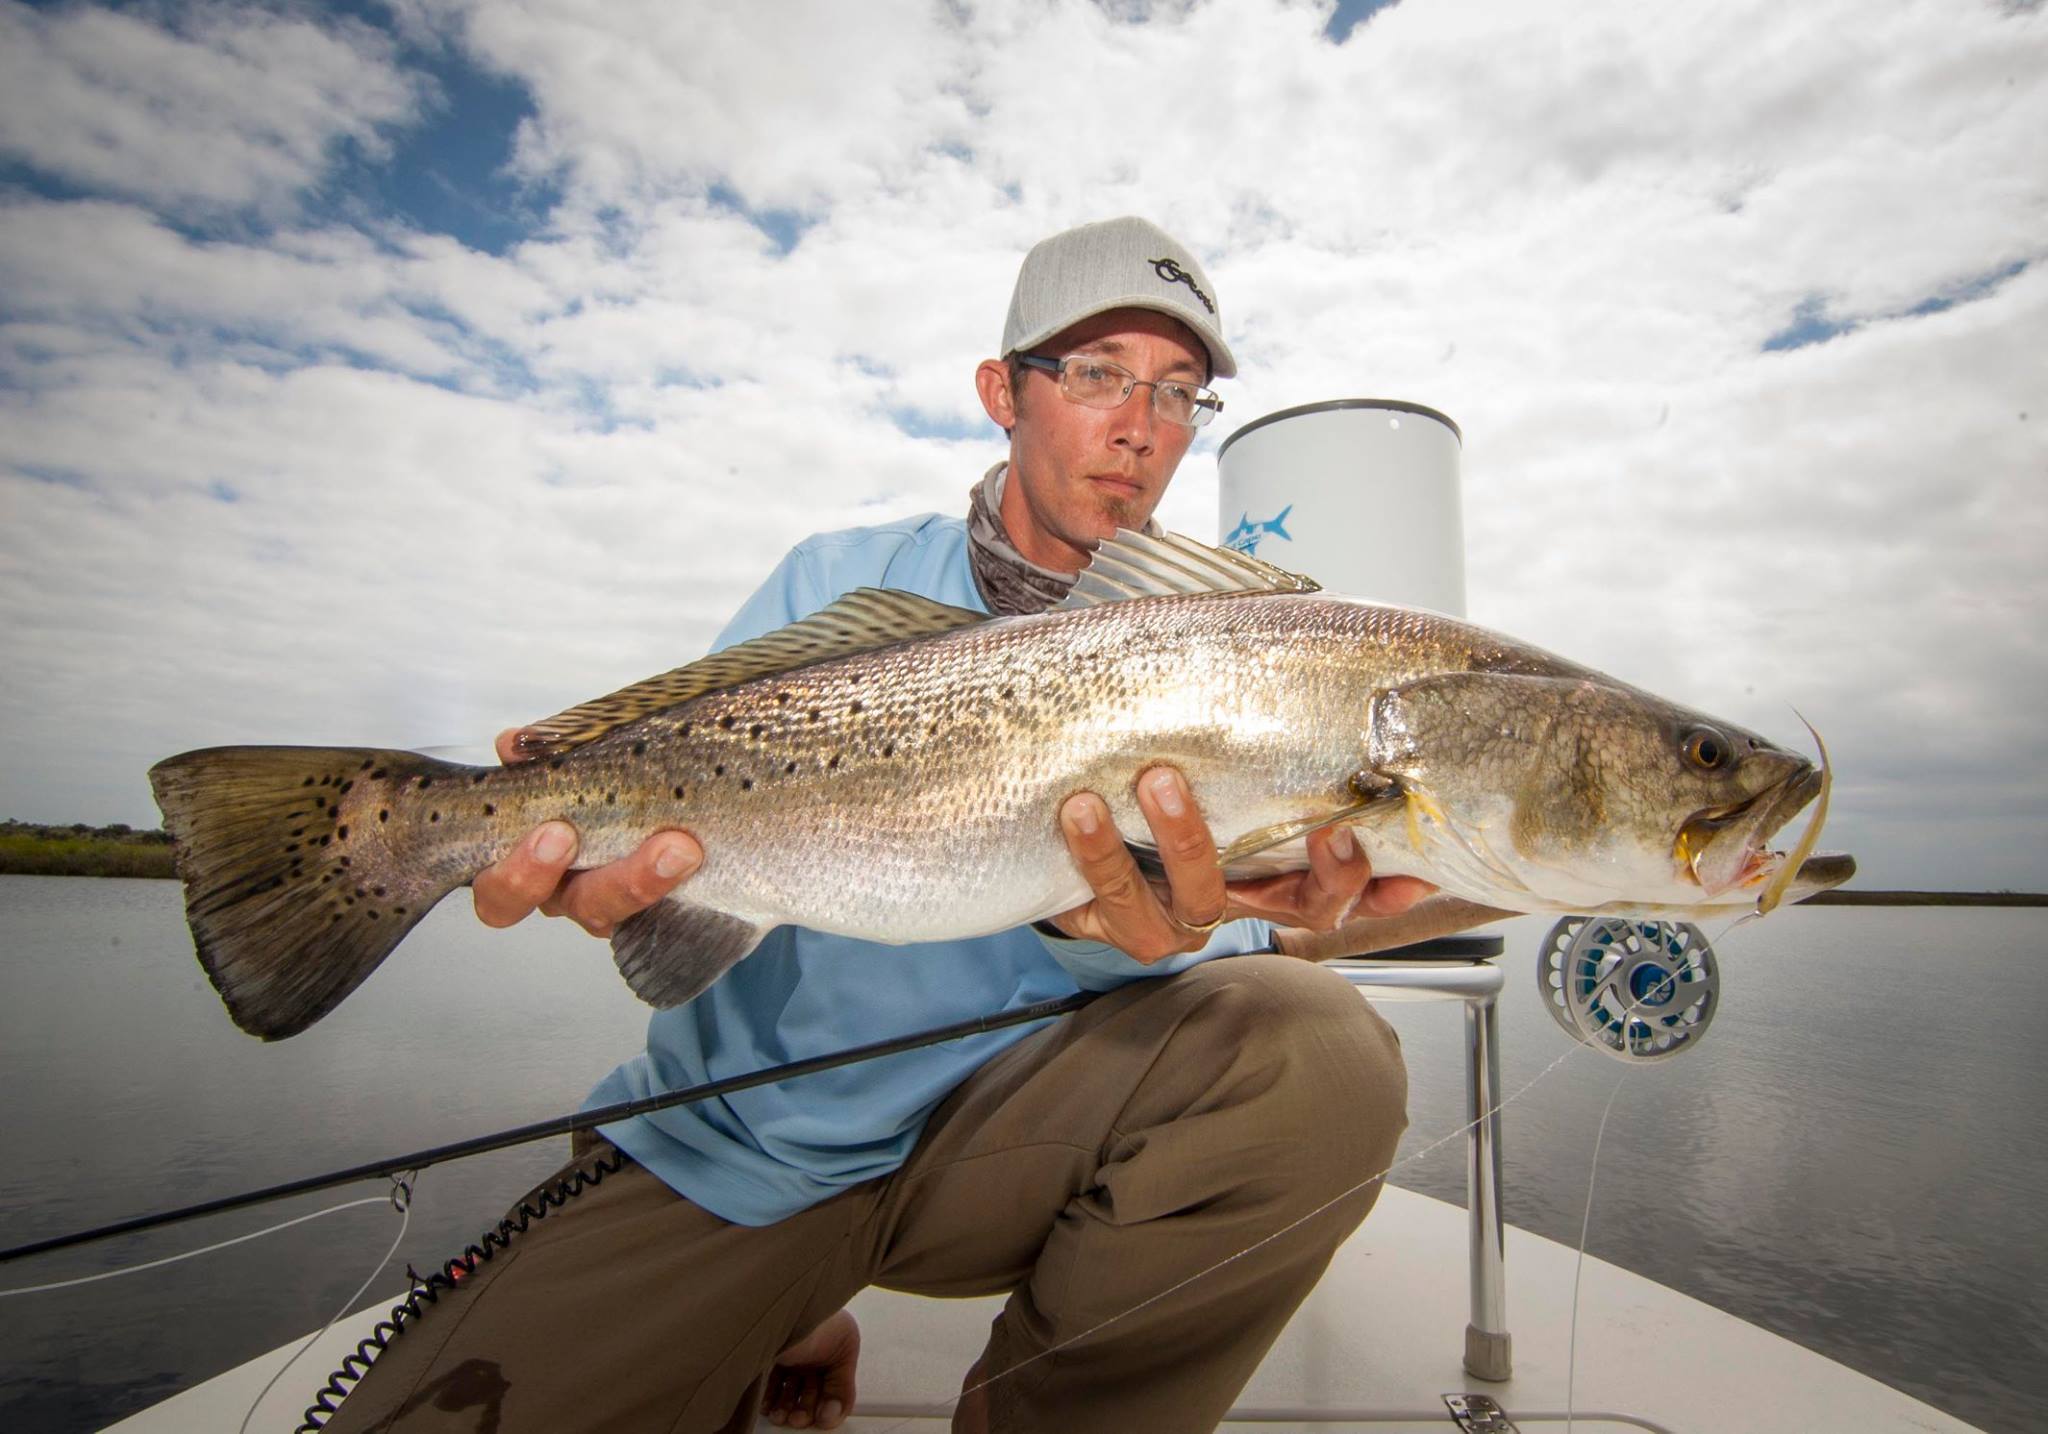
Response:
column 1636, row 990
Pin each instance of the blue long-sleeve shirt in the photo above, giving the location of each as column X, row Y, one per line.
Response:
column 760, row 1155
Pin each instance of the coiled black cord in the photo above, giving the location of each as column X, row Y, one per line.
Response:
column 426, row 1289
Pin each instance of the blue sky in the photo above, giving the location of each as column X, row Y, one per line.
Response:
column 395, row 373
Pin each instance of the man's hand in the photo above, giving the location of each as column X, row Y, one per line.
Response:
column 536, row 875
column 811, row 1386
column 1150, row 924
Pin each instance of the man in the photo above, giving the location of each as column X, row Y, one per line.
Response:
column 1087, row 1167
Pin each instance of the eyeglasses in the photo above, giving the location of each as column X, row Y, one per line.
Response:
column 1098, row 383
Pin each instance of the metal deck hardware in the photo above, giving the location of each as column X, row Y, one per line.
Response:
column 1479, row 1414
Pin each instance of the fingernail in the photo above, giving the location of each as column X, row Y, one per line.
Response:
column 552, row 842
column 829, row 1411
column 1343, row 845
column 1165, row 788
column 673, row 860
column 1082, row 817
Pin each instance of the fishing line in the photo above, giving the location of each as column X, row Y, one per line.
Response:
column 401, row 1200
column 1571, row 1363
column 191, row 1254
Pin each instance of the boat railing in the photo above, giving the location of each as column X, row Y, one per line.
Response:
column 1463, row 969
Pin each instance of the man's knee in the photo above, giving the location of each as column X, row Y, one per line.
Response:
column 1309, row 1031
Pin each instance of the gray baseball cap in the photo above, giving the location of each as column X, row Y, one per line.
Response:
column 1127, row 263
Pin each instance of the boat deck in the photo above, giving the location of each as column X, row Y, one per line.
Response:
column 1376, row 1347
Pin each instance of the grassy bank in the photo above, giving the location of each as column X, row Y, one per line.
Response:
column 33, row 849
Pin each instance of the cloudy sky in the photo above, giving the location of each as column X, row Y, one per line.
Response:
column 393, row 372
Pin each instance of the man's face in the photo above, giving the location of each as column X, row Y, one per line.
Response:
column 1077, row 474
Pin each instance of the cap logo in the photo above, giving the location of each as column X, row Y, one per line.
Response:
column 1168, row 270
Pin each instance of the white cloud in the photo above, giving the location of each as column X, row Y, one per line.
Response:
column 468, row 488
column 207, row 107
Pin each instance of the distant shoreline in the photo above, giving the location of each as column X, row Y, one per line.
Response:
column 36, row 849
column 32, row 849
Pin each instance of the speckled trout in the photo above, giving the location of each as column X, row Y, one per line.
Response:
column 891, row 768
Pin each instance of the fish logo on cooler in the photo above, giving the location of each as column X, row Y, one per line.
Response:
column 1245, row 537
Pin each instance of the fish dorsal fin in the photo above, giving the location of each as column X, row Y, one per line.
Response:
column 1136, row 565
column 862, row 621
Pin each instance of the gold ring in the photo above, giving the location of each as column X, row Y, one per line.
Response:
column 1203, row 927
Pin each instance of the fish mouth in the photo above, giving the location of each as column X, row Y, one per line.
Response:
column 1723, row 847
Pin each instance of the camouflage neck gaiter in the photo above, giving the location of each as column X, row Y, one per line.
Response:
column 1009, row 582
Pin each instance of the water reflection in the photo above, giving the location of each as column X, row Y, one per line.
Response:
column 1847, row 1158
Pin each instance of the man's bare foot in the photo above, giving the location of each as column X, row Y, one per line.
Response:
column 811, row 1386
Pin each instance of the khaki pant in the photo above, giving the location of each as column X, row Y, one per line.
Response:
column 1088, row 1171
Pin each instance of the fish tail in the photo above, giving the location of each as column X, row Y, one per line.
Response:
column 297, row 883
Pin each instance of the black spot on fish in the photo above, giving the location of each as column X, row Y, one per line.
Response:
column 719, row 770
column 325, row 840
column 298, row 831
column 686, row 728
column 478, row 779
column 342, row 831
column 489, row 810
column 755, row 730
column 889, row 749
column 385, row 815
column 639, row 749
column 426, row 782
column 377, row 775
column 679, row 794
column 431, row 816
column 307, row 783
column 790, row 768
column 292, row 846
column 367, row 763
column 369, row 913
column 726, row 721
column 611, row 798
column 1009, row 692
column 782, row 697
column 746, row 784
column 378, row 890
column 344, row 861
column 814, row 714
column 856, row 707
column 346, row 785
column 398, row 911
column 556, row 765
column 833, row 763
column 348, row 901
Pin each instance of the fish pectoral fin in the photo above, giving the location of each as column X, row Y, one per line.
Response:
column 1264, row 838
column 673, row 950
column 1152, row 868
column 1373, row 793
column 862, row 621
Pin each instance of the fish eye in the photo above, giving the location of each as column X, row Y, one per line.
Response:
column 1706, row 749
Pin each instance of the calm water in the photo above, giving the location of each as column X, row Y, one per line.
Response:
column 1850, row 1158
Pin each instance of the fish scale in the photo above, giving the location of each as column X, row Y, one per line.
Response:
column 892, row 769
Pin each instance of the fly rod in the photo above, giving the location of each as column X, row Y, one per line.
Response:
column 562, row 1124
